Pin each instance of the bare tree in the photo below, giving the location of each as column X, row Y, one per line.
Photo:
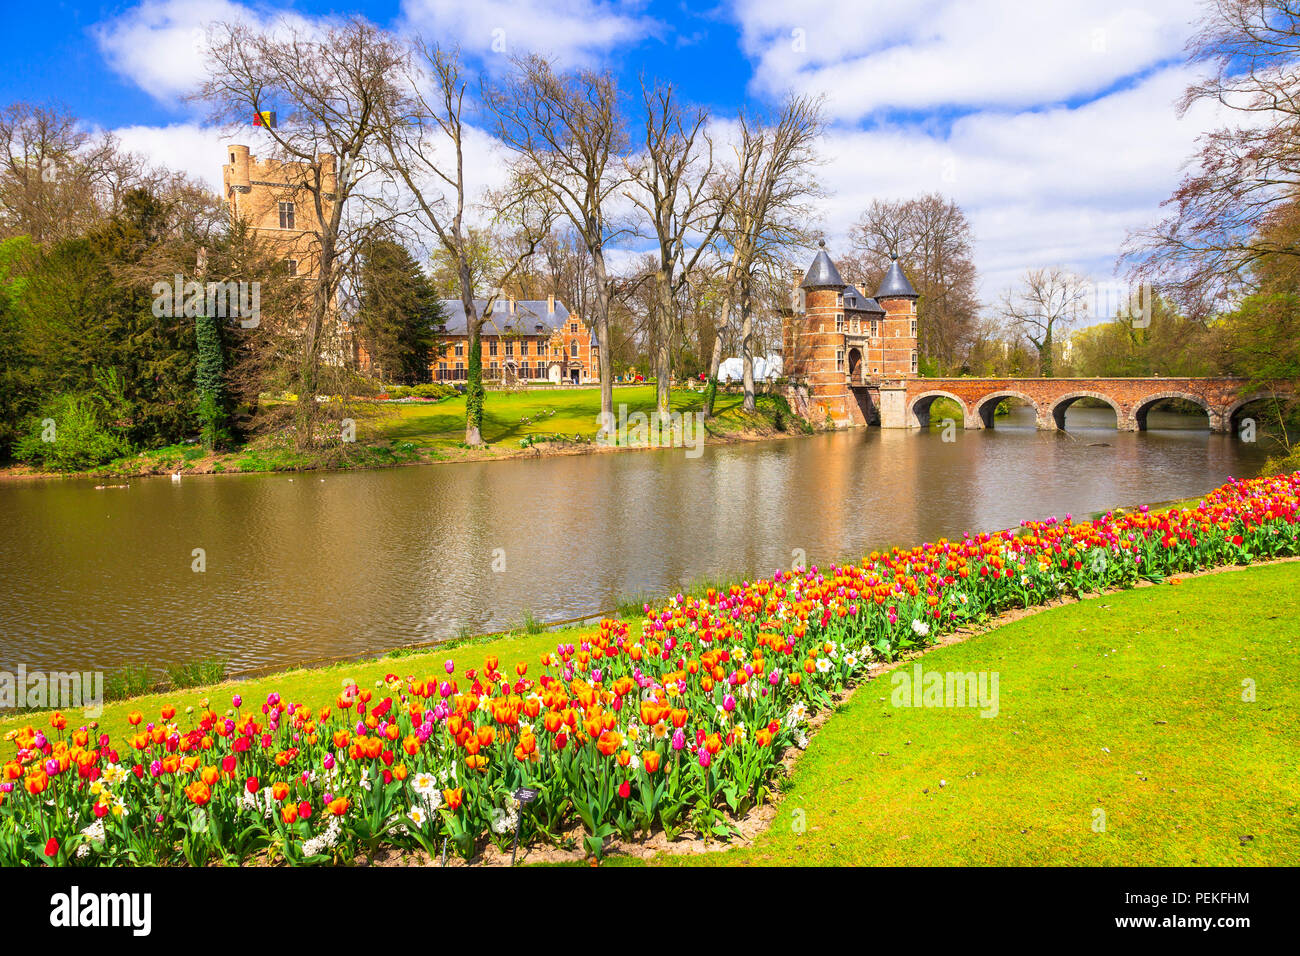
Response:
column 57, row 181
column 766, row 214
column 568, row 137
column 422, row 128
column 1049, row 301
column 1243, row 174
column 335, row 80
column 678, row 192
column 931, row 236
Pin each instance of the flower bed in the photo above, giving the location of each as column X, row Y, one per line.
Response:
column 678, row 724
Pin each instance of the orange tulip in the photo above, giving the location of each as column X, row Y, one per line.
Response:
column 452, row 798
column 650, row 760
column 199, row 792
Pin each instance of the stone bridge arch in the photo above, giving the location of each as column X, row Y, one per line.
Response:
column 918, row 410
column 984, row 409
column 1143, row 406
column 1059, row 406
column 1229, row 417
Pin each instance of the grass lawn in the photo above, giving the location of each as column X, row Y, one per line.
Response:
column 1130, row 703
column 569, row 412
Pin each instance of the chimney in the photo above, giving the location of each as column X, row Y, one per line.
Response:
column 550, row 304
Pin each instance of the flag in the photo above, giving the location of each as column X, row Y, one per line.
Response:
column 264, row 118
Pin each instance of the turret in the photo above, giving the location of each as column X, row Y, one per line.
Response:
column 896, row 296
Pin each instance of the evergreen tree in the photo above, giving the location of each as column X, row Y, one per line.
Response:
column 209, row 383
column 399, row 314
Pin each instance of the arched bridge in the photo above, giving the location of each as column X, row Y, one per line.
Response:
column 1131, row 398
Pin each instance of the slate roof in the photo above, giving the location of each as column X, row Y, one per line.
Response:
column 853, row 299
column 529, row 313
column 822, row 272
column 895, row 285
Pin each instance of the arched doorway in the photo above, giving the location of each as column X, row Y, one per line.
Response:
column 855, row 366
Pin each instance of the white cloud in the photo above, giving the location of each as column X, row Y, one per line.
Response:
column 1054, row 186
column 161, row 46
column 573, row 32
column 873, row 55
column 190, row 148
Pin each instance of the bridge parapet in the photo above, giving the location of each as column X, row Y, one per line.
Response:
column 1131, row 398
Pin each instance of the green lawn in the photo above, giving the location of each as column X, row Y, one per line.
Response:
column 1130, row 703
column 510, row 416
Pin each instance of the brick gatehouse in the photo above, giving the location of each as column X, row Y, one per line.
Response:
column 857, row 357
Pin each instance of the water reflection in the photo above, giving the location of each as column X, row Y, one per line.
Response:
column 300, row 568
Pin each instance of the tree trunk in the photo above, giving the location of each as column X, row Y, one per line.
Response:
column 663, row 349
column 474, row 386
column 1045, row 363
column 715, row 361
column 602, row 336
column 747, row 347
column 309, row 373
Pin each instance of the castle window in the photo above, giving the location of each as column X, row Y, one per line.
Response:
column 293, row 266
column 286, row 215
column 510, row 349
column 460, row 350
column 914, row 328
column 492, row 347
column 875, row 326
column 839, row 323
column 839, row 360
column 839, row 299
column 913, row 361
column 573, row 327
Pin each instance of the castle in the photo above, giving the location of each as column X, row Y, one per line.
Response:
column 854, row 353
column 533, row 340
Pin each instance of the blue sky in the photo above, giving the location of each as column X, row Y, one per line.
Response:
column 1051, row 122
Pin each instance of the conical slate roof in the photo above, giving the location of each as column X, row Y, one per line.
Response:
column 822, row 272
column 895, row 285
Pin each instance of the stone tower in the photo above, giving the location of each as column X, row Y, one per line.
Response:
column 854, row 353
column 898, row 335
column 272, row 197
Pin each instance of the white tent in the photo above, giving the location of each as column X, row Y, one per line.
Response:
column 765, row 369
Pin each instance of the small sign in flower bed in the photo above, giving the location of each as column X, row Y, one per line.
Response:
column 675, row 725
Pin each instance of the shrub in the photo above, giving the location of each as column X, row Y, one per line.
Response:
column 69, row 434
